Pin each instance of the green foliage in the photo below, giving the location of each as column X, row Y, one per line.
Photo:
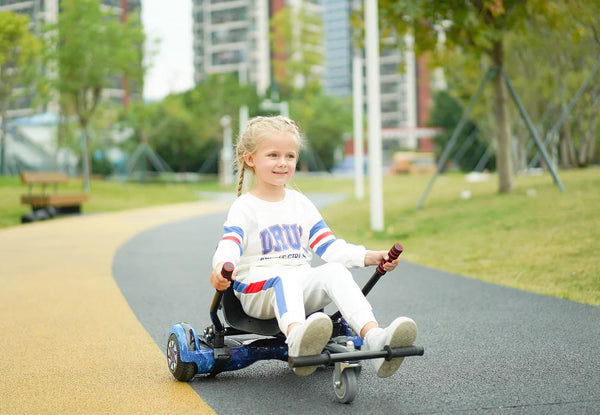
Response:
column 325, row 120
column 19, row 52
column 93, row 49
column 446, row 113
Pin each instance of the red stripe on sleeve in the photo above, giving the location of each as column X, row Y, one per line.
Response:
column 234, row 239
column 323, row 235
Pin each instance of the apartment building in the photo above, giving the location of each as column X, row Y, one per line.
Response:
column 232, row 36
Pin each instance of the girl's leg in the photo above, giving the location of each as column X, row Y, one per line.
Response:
column 277, row 297
column 332, row 282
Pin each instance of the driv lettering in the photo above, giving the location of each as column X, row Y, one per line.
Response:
column 280, row 238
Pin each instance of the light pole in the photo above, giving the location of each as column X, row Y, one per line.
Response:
column 226, row 152
column 357, row 106
column 374, row 113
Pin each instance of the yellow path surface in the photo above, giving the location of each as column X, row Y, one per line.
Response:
column 69, row 343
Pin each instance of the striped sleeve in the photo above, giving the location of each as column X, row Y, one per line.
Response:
column 320, row 237
column 235, row 234
column 230, row 246
column 323, row 242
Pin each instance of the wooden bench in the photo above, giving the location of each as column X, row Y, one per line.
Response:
column 49, row 199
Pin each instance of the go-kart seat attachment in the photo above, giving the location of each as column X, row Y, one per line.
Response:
column 236, row 317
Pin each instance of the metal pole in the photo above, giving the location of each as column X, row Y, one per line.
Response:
column 454, row 137
column 533, row 132
column 227, row 152
column 357, row 103
column 374, row 113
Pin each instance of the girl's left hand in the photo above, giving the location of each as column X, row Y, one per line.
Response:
column 375, row 257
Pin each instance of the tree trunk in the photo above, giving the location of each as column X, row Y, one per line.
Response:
column 85, row 144
column 504, row 162
column 588, row 136
column 567, row 148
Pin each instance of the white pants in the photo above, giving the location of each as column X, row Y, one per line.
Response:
column 291, row 293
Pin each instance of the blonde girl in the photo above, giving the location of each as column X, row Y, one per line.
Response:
column 270, row 235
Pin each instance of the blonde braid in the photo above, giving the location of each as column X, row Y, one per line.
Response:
column 241, row 171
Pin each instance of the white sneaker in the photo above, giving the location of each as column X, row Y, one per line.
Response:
column 309, row 339
column 401, row 332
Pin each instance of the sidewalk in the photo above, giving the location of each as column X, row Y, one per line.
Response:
column 70, row 342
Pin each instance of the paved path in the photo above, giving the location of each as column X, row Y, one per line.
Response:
column 86, row 304
column 488, row 349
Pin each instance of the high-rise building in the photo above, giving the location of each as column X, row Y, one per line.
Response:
column 337, row 39
column 404, row 80
column 44, row 11
column 232, row 36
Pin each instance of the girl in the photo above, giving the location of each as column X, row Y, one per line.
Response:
column 269, row 234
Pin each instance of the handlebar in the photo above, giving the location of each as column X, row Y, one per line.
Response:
column 393, row 254
column 227, row 271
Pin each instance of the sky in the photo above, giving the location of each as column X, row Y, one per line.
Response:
column 171, row 65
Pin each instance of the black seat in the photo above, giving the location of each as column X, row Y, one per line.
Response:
column 236, row 317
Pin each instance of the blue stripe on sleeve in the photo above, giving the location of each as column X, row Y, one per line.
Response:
column 234, row 229
column 321, row 249
column 316, row 228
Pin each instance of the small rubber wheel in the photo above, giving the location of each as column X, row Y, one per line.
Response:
column 182, row 371
column 345, row 392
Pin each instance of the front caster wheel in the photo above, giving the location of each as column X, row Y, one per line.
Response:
column 182, row 371
column 345, row 385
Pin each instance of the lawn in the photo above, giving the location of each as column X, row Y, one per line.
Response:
column 536, row 238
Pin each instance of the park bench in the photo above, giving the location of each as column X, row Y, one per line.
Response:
column 49, row 202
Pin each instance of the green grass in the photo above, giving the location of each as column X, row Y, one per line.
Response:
column 536, row 238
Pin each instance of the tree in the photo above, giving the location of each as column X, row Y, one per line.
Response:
column 93, row 51
column 478, row 28
column 446, row 113
column 565, row 74
column 324, row 120
column 19, row 52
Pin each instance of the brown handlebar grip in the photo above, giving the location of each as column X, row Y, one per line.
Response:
column 227, row 270
column 393, row 254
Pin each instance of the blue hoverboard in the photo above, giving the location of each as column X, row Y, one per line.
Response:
column 246, row 340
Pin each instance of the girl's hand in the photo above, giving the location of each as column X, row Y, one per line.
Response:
column 375, row 257
column 218, row 281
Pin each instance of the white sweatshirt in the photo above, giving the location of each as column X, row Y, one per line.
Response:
column 258, row 233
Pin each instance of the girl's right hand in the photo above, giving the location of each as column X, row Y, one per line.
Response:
column 217, row 280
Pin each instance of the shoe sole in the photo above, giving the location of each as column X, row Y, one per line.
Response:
column 404, row 335
column 315, row 338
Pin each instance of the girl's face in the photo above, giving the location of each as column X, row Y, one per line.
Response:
column 274, row 161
